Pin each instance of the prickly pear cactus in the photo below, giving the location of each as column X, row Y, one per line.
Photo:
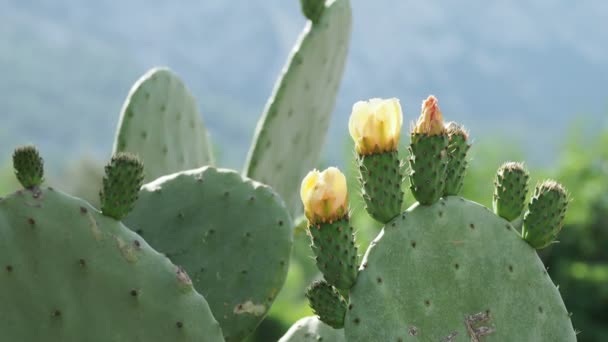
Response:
column 297, row 115
column 232, row 235
column 311, row 329
column 161, row 123
column 448, row 269
column 454, row 270
column 71, row 274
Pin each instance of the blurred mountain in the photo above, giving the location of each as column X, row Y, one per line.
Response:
column 515, row 69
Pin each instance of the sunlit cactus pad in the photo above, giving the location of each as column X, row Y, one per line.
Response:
column 160, row 122
column 297, row 115
column 454, row 271
column 70, row 274
column 231, row 234
column 311, row 329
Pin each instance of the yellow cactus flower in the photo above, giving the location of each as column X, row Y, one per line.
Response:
column 324, row 195
column 431, row 120
column 375, row 125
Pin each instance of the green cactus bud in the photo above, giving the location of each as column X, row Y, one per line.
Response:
column 327, row 303
column 428, row 154
column 510, row 190
column 121, row 183
column 380, row 177
column 29, row 166
column 545, row 216
column 457, row 158
column 333, row 244
column 312, row 9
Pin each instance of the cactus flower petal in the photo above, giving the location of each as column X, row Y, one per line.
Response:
column 431, row 119
column 375, row 125
column 324, row 195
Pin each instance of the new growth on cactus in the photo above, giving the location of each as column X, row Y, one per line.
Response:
column 447, row 269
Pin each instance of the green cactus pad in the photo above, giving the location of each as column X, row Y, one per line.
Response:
column 335, row 252
column 545, row 216
column 457, row 159
column 312, row 9
column 290, row 134
column 232, row 235
column 327, row 303
column 161, row 123
column 380, row 176
column 29, row 166
column 70, row 274
column 124, row 175
column 311, row 329
column 428, row 167
column 454, row 271
column 510, row 190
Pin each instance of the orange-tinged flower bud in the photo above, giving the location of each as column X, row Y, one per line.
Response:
column 431, row 120
column 375, row 125
column 324, row 195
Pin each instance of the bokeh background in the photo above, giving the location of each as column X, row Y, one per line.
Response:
column 527, row 77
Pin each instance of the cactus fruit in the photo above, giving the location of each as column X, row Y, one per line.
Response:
column 161, row 123
column 29, row 166
column 232, row 235
column 325, row 198
column 457, row 158
column 311, row 329
column 428, row 154
column 448, row 269
column 327, row 303
column 297, row 115
column 510, row 190
column 123, row 178
column 546, row 214
column 375, row 127
column 72, row 274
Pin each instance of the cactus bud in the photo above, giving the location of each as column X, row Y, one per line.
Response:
column 510, row 190
column 29, row 166
column 375, row 125
column 545, row 216
column 327, row 303
column 457, row 158
column 124, row 176
column 428, row 154
column 430, row 121
column 324, row 195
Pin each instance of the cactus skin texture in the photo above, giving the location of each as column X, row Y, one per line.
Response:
column 161, row 123
column 435, row 265
column 232, row 235
column 380, row 176
column 311, row 329
column 457, row 158
column 327, row 303
column 297, row 115
column 70, row 274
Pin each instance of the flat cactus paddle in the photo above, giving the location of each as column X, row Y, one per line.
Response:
column 232, row 235
column 291, row 132
column 160, row 122
column 70, row 274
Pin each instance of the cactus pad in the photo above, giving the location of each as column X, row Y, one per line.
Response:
column 123, row 177
column 327, row 303
column 29, row 166
column 296, row 118
column 454, row 271
column 232, row 235
column 71, row 274
column 311, row 329
column 161, row 123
